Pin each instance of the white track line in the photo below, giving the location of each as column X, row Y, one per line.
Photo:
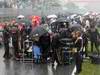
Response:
column 50, row 70
column 74, row 70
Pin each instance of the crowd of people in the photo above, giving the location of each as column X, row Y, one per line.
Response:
column 64, row 37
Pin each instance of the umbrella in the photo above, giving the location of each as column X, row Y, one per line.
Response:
column 87, row 13
column 36, row 20
column 75, row 27
column 63, row 20
column 39, row 31
column 73, row 16
column 21, row 16
column 26, row 21
column 51, row 16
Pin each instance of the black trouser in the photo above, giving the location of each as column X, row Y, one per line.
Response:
column 45, row 53
column 96, row 46
column 86, row 49
column 55, row 57
column 16, row 48
column 22, row 40
column 78, row 62
column 6, row 47
column 0, row 44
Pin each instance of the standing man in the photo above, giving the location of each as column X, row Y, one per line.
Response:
column 94, row 38
column 85, row 43
column 21, row 29
column 15, row 36
column 6, row 37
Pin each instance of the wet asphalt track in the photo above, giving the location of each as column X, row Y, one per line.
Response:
column 10, row 67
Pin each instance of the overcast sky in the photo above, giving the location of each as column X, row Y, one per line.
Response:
column 91, row 5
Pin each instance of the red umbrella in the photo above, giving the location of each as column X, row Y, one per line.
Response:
column 35, row 21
